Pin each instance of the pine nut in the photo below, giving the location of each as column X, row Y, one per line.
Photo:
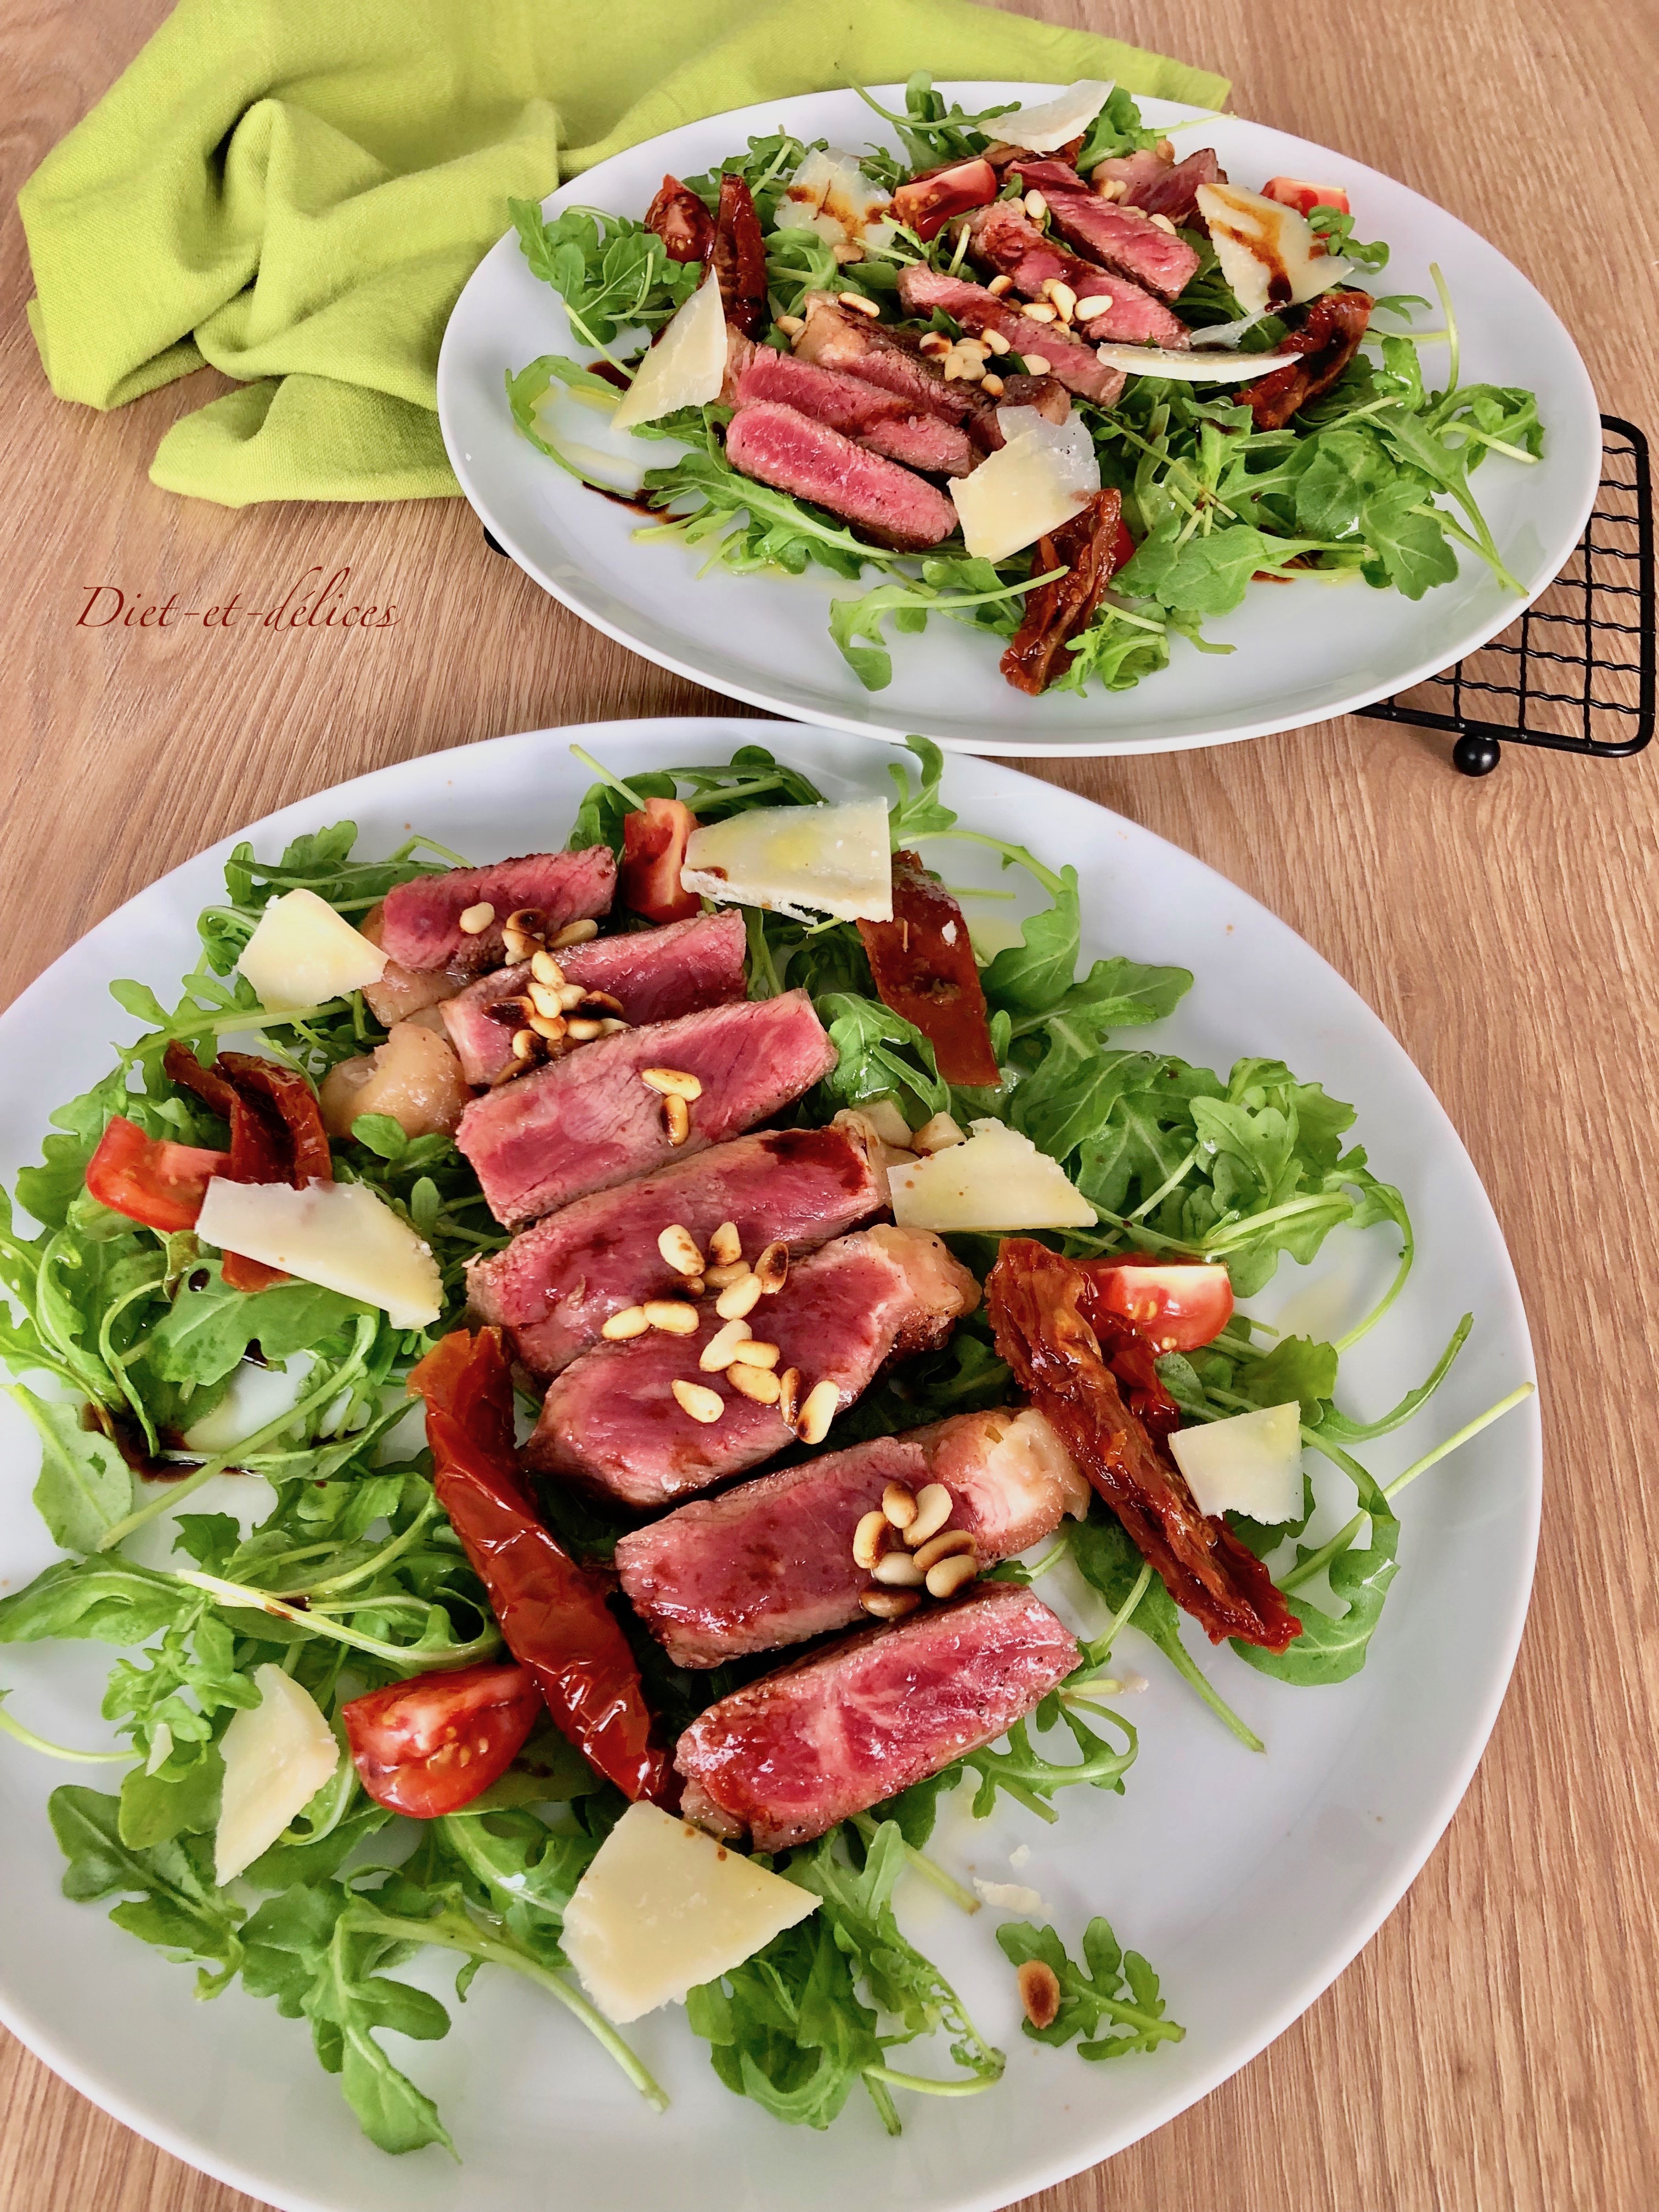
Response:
column 1037, row 364
column 725, row 1245
column 898, row 1505
column 952, row 369
column 611, row 1026
column 790, row 326
column 1039, row 311
column 991, row 384
column 789, row 1394
column 972, row 346
column 523, row 931
column 581, row 1032
column 1061, row 296
column 598, row 1000
column 552, row 1030
column 678, row 1248
column 870, row 1540
column 576, row 933
column 933, row 341
column 773, row 1269
column 1036, row 206
column 938, row 1135
column 474, row 919
column 632, row 1321
column 545, row 968
column 1094, row 305
column 757, row 1353
column 998, row 285
column 524, row 1043
column 678, row 1115
column 822, row 1405
column 1111, row 188
column 949, row 1576
column 845, row 251
column 759, row 1383
column 699, row 1401
column 934, row 1506
column 695, row 1286
column 548, row 1003
column 857, row 300
column 733, row 1271
column 1164, row 223
column 997, row 342
column 889, row 1604
column 671, row 1082
column 944, row 1545
column 672, row 1315
column 569, row 995
column 723, row 1347
column 740, row 1297
column 898, row 1571
column 1039, row 1992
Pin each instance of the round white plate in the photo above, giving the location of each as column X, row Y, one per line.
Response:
column 1302, row 653
column 1248, row 1882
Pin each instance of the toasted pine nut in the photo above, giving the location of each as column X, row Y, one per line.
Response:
column 611, row 1026
column 898, row 1571
column 933, row 341
column 945, row 1579
column 759, row 1383
column 845, row 251
column 672, row 1315
column 740, row 1297
column 991, row 384
column 1039, row 1992
column 1039, row 311
column 1059, row 293
column 870, row 1540
column 524, row 1043
column 997, row 342
column 889, row 1604
column 1093, row 306
column 973, row 346
column 1165, row 149
column 1036, row 206
column 857, row 300
column 952, row 369
column 553, row 1030
column 696, row 1399
column 548, row 1003
column 898, row 1505
column 576, row 933
column 1111, row 188
column 938, row 1135
column 731, row 1271
column 632, row 1321
column 822, row 1404
column 723, row 1347
column 789, row 1394
column 725, row 1245
column 569, row 995
column 672, row 1082
column 934, row 1506
column 755, row 1353
column 545, row 968
column 969, row 367
column 678, row 1115
column 695, row 1286
column 678, row 1248
column 598, row 1001
column 1164, row 223
column 998, row 285
column 523, row 930
column 790, row 326
column 581, row 1032
column 476, row 919
column 944, row 1545
column 1037, row 364
column 773, row 1269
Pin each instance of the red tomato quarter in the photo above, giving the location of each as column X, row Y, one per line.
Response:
column 1178, row 1304
column 150, row 1180
column 430, row 1745
column 653, row 853
column 928, row 203
column 1295, row 192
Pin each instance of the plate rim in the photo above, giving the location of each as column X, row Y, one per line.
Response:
column 1158, row 2108
column 1030, row 745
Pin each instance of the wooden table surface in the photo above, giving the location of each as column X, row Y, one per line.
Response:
column 1497, row 2044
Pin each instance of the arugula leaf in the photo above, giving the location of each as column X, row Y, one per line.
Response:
column 1408, row 538
column 610, row 272
column 1112, row 1989
column 923, row 813
column 930, row 133
column 85, row 1486
column 104, row 1597
column 174, row 1903
column 206, row 1332
column 880, row 1054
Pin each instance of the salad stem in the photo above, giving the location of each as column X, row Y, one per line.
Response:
column 930, row 1870
column 920, row 2082
column 244, row 1597
column 26, row 1736
column 606, row 776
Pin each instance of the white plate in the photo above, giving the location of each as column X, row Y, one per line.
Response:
column 1248, row 1882
column 1303, row 652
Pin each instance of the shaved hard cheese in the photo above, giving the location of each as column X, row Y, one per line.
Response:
column 1267, row 250
column 1194, row 367
column 830, row 194
column 803, row 861
column 277, row 1755
column 686, row 366
column 664, row 1908
column 1040, row 479
column 338, row 1234
column 1251, row 1464
column 301, row 952
column 1056, row 122
column 997, row 1181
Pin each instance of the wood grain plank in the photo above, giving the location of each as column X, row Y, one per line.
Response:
column 1495, row 2046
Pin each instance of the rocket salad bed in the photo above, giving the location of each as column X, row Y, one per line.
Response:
column 357, row 1579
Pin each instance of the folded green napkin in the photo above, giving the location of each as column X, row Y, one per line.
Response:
column 295, row 192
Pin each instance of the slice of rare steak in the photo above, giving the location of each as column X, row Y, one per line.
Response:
column 795, row 454
column 1077, row 366
column 422, row 920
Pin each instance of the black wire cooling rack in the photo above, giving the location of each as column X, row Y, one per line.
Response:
column 1577, row 672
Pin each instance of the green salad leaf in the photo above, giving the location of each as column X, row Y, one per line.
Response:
column 1113, row 1990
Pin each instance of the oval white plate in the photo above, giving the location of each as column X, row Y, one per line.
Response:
column 1248, row 1882
column 1302, row 653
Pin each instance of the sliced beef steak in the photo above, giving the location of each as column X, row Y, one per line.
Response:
column 403, row 991
column 808, row 458
column 555, row 1286
column 1122, row 239
column 785, row 1759
column 612, row 1423
column 771, row 1562
column 421, row 920
column 835, row 338
column 1006, row 240
column 880, row 421
column 590, row 1121
column 653, row 975
column 1075, row 365
column 1175, row 192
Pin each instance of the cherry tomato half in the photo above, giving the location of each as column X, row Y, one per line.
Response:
column 928, row 204
column 1178, row 1304
column 430, row 1745
column 653, row 853
column 150, row 1179
column 1295, row 192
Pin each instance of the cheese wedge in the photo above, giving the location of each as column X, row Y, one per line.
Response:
column 1266, row 249
column 664, row 1908
column 1054, row 123
column 338, row 1234
column 803, row 861
column 1251, row 1464
column 997, row 1181
column 277, row 1755
column 686, row 366
column 301, row 952
column 1040, row 479
column 830, row 194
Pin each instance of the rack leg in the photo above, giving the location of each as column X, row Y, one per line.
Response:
column 1476, row 754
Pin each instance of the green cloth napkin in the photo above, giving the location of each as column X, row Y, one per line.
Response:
column 295, row 192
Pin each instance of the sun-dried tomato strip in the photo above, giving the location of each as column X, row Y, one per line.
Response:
column 552, row 1611
column 924, row 968
column 740, row 255
column 1329, row 338
column 1036, row 1301
column 681, row 222
column 295, row 1102
column 1089, row 547
column 275, row 1132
